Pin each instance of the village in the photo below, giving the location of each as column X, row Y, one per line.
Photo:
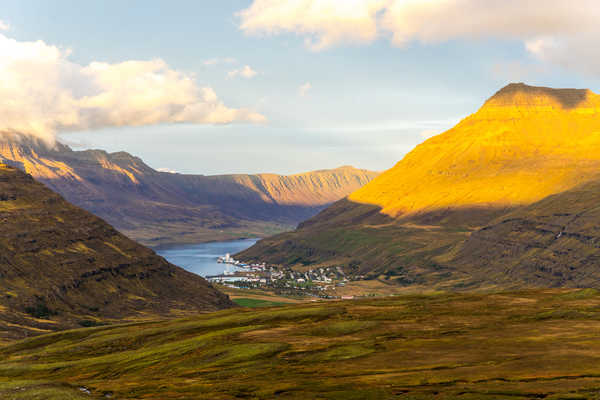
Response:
column 319, row 282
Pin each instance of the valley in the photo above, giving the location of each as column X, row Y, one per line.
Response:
column 299, row 199
column 476, row 296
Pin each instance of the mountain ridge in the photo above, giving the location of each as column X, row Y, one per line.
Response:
column 533, row 151
column 160, row 208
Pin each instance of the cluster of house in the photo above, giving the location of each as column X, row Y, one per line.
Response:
column 313, row 281
column 227, row 259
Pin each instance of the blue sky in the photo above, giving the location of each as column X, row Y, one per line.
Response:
column 367, row 99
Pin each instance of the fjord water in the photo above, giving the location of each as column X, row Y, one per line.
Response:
column 201, row 258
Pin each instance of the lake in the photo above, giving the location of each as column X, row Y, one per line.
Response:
column 201, row 258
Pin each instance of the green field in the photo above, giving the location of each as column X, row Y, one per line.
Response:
column 256, row 303
column 520, row 345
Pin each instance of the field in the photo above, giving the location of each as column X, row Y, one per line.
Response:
column 256, row 303
column 538, row 344
column 257, row 297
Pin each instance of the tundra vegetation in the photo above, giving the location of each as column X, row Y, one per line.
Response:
column 518, row 345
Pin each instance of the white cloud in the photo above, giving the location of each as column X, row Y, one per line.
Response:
column 323, row 22
column 217, row 61
column 303, row 89
column 245, row 72
column 551, row 30
column 4, row 26
column 579, row 52
column 42, row 92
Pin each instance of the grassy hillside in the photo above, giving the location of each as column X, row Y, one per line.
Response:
column 517, row 345
column 551, row 243
column 365, row 242
column 61, row 266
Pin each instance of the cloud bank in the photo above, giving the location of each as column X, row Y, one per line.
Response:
column 4, row 26
column 323, row 22
column 556, row 31
column 42, row 92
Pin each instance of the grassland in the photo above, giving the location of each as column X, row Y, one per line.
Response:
column 256, row 303
column 258, row 294
column 517, row 345
column 364, row 242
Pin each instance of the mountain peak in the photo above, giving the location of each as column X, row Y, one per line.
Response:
column 523, row 95
column 523, row 144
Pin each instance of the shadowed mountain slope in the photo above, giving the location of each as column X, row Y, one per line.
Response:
column 554, row 242
column 409, row 224
column 60, row 267
column 160, row 208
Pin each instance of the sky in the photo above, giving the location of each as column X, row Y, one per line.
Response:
column 282, row 86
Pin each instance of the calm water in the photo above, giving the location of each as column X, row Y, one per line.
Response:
column 201, row 258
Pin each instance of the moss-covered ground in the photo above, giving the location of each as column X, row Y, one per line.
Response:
column 512, row 345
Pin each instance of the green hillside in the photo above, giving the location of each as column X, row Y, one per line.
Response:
column 517, row 345
column 62, row 267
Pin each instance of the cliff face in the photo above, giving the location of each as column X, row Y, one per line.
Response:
column 157, row 208
column 309, row 189
column 420, row 223
column 62, row 267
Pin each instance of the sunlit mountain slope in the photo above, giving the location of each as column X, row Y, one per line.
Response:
column 438, row 218
column 524, row 144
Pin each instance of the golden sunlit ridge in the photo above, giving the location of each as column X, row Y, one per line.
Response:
column 523, row 144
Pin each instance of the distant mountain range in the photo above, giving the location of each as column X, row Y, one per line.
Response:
column 62, row 267
column 507, row 198
column 158, row 208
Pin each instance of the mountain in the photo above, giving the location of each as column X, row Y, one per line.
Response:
column 62, row 267
column 426, row 221
column 524, row 144
column 160, row 208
